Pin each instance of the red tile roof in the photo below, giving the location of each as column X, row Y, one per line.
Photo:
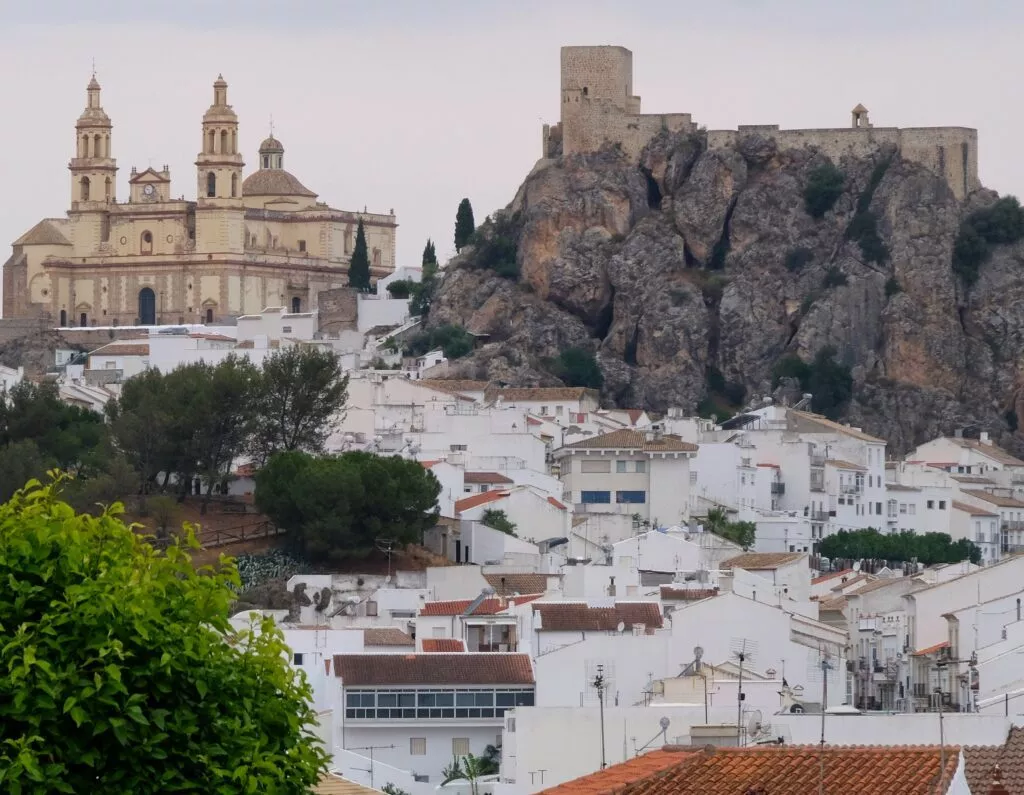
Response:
column 830, row 575
column 628, row 439
column 760, row 561
column 580, row 617
column 386, row 636
column 365, row 670
column 429, row 464
column 557, row 504
column 931, row 649
column 776, row 770
column 443, row 645
column 486, row 477
column 687, row 594
column 479, row 499
column 981, row 762
column 488, row 607
column 508, row 584
column 613, row 778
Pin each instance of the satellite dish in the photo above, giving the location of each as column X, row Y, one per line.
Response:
column 698, row 653
column 856, row 566
column 754, row 722
column 664, row 723
column 621, row 626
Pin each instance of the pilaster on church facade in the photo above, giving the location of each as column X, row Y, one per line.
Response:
column 243, row 243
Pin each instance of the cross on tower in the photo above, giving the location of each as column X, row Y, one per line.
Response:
column 271, row 125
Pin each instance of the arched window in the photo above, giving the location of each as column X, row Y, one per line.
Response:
column 211, row 184
column 109, row 189
column 63, row 318
column 209, row 315
column 234, row 185
column 266, row 161
column 296, row 305
column 224, row 142
column 83, row 193
column 147, row 307
column 84, row 320
column 234, row 142
column 146, row 242
column 97, row 146
column 211, row 142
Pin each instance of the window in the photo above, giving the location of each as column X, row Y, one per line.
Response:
column 620, row 466
column 147, row 307
column 693, row 478
column 371, row 607
column 111, row 365
column 931, row 505
column 417, row 746
column 903, row 507
column 543, row 411
column 234, row 185
column 878, row 509
column 85, row 189
column 942, row 505
column 455, row 448
column 211, row 184
column 588, row 465
column 595, row 497
column 297, row 658
column 641, row 466
column 460, row 747
column 286, row 329
column 630, row 497
column 302, row 245
column 296, row 305
column 84, row 320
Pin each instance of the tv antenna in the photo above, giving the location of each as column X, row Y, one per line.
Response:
column 664, row 723
column 826, row 666
column 386, row 544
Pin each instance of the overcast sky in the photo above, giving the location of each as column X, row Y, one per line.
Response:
column 413, row 104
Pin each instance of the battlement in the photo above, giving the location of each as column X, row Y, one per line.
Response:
column 598, row 107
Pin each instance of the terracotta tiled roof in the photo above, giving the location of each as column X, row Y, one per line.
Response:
column 995, row 499
column 486, row 477
column 830, row 575
column 832, row 604
column 614, row 778
column 200, row 335
column 634, row 414
column 430, row 464
column 687, row 594
column 627, row 439
column 783, row 770
column 993, row 452
column 838, row 463
column 483, row 498
column 332, row 784
column 980, row 764
column 973, row 479
column 453, row 385
column 274, row 182
column 488, row 607
column 508, row 584
column 443, row 645
column 580, row 617
column 122, row 349
column 971, row 510
column 760, row 561
column 512, row 394
column 45, row 233
column 815, row 423
column 931, row 649
column 557, row 504
column 386, row 636
column 364, row 670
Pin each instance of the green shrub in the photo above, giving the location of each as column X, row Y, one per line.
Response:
column 1001, row 223
column 824, row 187
column 833, row 278
column 400, row 288
column 495, row 246
column 790, row 366
column 798, row 258
column 453, row 340
column 892, row 287
column 829, row 381
column 577, row 367
column 864, row 230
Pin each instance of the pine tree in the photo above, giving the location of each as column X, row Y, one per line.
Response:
column 464, row 224
column 429, row 254
column 359, row 268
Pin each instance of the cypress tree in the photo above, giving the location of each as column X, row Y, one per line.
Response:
column 464, row 224
column 359, row 268
column 429, row 254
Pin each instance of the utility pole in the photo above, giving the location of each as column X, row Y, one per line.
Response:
column 599, row 683
column 824, row 707
column 739, row 702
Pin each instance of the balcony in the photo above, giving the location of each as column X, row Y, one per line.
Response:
column 819, row 516
column 1013, row 525
column 851, row 488
column 778, row 489
column 817, row 481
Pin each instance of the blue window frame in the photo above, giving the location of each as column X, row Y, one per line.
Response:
column 630, row 497
column 595, row 497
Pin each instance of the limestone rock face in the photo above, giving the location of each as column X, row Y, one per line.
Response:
column 692, row 268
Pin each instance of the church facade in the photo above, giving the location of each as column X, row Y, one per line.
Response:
column 241, row 245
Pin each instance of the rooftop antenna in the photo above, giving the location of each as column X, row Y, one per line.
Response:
column 271, row 125
column 741, row 655
column 386, row 544
column 663, row 724
column 826, row 666
column 599, row 685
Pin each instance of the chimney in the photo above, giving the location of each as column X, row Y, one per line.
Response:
column 983, row 437
column 611, row 586
column 958, row 433
column 997, row 787
column 502, row 586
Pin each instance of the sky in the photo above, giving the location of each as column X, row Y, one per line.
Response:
column 412, row 105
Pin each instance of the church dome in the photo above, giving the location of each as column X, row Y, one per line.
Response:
column 274, row 182
column 271, row 146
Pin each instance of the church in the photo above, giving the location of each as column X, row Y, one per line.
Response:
column 241, row 245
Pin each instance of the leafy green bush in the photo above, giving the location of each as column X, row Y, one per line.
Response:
column 892, row 287
column 824, row 187
column 864, row 230
column 833, row 278
column 454, row 341
column 256, row 569
column 790, row 366
column 1001, row 223
column 495, row 246
column 498, row 520
column 798, row 258
column 830, row 382
column 927, row 548
column 400, row 288
column 577, row 367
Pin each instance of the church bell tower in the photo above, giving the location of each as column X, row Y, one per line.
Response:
column 220, row 214
column 93, row 168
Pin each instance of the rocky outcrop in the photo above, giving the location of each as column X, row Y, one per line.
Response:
column 691, row 269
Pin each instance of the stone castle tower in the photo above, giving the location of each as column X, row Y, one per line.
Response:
column 598, row 107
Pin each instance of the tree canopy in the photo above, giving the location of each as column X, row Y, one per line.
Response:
column 926, row 548
column 742, row 533
column 335, row 507
column 359, row 267
column 465, row 226
column 577, row 367
column 122, row 673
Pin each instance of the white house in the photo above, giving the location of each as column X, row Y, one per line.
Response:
column 116, row 362
column 536, row 515
column 558, row 403
column 646, row 473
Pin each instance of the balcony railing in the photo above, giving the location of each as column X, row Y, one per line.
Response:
column 819, row 516
column 851, row 488
column 1013, row 525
